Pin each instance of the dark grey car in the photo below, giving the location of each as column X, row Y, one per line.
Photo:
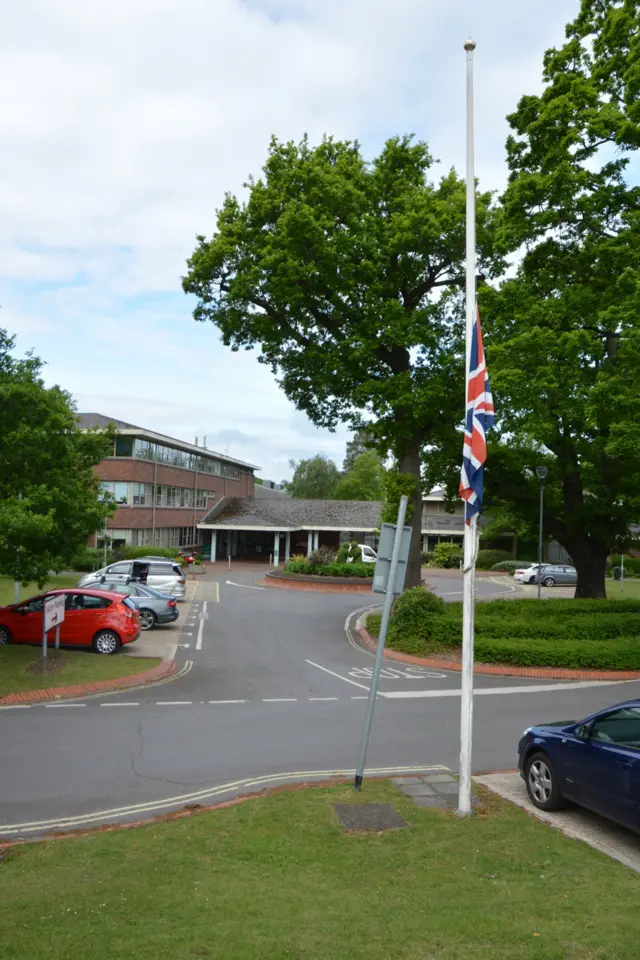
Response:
column 153, row 606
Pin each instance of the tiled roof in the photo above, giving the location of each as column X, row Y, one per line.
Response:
column 287, row 513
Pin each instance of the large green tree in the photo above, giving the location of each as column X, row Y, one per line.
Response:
column 563, row 335
column 335, row 269
column 313, row 479
column 364, row 481
column 50, row 500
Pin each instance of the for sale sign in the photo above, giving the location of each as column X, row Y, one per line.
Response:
column 53, row 611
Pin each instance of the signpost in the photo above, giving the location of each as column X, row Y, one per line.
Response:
column 53, row 617
column 388, row 578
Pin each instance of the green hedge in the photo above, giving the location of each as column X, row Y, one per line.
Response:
column 621, row 654
column 89, row 559
column 487, row 559
column 359, row 570
column 132, row 553
column 510, row 566
column 631, row 564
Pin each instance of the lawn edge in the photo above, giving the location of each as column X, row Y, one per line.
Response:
column 163, row 670
column 370, row 644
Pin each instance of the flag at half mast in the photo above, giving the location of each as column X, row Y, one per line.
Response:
column 479, row 419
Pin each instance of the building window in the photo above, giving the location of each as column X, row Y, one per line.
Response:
column 124, row 447
column 143, row 494
column 174, row 536
column 118, row 490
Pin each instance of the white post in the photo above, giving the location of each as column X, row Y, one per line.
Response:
column 287, row 546
column 276, row 549
column 621, row 572
column 214, row 545
column 309, row 543
column 471, row 529
column 316, row 539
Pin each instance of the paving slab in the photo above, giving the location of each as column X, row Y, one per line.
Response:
column 437, row 778
column 417, row 789
column 601, row 834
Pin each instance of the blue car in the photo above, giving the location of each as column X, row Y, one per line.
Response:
column 595, row 763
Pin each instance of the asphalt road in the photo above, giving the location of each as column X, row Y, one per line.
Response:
column 270, row 687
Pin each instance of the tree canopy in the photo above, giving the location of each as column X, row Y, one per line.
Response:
column 563, row 335
column 50, row 500
column 364, row 481
column 314, row 479
column 339, row 271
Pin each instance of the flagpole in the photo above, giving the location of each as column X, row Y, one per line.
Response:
column 471, row 528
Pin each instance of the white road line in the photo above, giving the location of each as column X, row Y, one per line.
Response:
column 346, row 679
column 227, row 701
column 173, row 703
column 358, row 698
column 281, row 700
column 321, row 698
column 502, row 691
column 126, row 703
column 52, row 705
column 199, row 640
column 204, row 607
column 17, row 706
column 245, row 586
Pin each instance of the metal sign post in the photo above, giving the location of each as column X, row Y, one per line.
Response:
column 392, row 584
column 53, row 617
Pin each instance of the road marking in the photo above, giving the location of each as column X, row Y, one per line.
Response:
column 397, row 673
column 186, row 634
column 126, row 703
column 501, row 691
column 173, row 703
column 199, row 640
column 245, row 586
column 358, row 698
column 185, row 645
column 356, row 616
column 52, row 705
column 204, row 607
column 116, row 813
column 311, row 699
column 227, row 701
column 346, row 679
column 17, row 706
column 281, row 700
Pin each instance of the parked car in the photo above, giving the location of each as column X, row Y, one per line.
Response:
column 550, row 574
column 163, row 575
column 103, row 620
column 153, row 606
column 595, row 763
column 369, row 555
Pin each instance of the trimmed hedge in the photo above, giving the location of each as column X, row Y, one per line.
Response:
column 487, row 559
column 359, row 570
column 510, row 566
column 596, row 634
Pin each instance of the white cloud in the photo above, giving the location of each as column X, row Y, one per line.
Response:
column 123, row 124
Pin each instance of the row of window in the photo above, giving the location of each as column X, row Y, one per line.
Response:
column 160, row 453
column 167, row 537
column 141, row 494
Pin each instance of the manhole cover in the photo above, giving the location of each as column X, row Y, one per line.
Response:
column 368, row 816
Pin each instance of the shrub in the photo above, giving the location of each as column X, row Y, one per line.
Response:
column 321, row 556
column 131, row 553
column 349, row 552
column 359, row 570
column 427, row 558
column 447, row 555
column 620, row 654
column 487, row 558
column 417, row 621
column 510, row 566
column 88, row 559
column 631, row 565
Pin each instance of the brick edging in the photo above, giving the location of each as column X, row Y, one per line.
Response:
column 164, row 669
column 315, row 585
column 498, row 669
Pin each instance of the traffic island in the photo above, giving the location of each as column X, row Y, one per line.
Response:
column 303, row 581
column 282, row 878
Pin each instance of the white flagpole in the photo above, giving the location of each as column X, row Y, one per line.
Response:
column 471, row 529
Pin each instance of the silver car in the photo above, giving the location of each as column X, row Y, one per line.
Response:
column 153, row 606
column 550, row 574
column 163, row 575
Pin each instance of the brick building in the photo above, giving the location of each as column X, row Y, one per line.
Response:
column 164, row 486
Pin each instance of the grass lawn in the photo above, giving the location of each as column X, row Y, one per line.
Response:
column 55, row 582
column 617, row 591
column 78, row 666
column 276, row 878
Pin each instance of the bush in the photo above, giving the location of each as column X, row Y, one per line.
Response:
column 132, row 553
column 321, row 556
column 89, row 559
column 620, row 654
column 359, row 570
column 631, row 565
column 427, row 558
column 418, row 616
column 510, row 566
column 487, row 558
column 448, row 555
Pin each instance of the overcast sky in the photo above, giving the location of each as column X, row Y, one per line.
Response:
column 122, row 124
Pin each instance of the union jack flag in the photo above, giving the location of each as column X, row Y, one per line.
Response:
column 479, row 419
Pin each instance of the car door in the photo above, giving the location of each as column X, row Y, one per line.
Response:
column 71, row 627
column 611, row 767
column 162, row 576
column 119, row 572
column 28, row 628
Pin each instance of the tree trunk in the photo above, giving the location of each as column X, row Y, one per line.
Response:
column 590, row 561
column 410, row 463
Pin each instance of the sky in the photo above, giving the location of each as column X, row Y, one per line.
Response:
column 123, row 124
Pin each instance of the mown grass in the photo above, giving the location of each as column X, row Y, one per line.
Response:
column 55, row 582
column 276, row 878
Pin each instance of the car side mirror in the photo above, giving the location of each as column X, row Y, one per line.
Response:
column 22, row 611
column 582, row 731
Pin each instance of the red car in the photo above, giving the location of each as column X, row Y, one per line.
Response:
column 92, row 618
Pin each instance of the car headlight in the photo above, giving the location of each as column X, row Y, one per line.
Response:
column 525, row 732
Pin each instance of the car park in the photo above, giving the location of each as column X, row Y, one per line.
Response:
column 551, row 574
column 594, row 763
column 153, row 606
column 103, row 620
column 164, row 575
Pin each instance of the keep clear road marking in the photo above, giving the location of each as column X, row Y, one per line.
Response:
column 245, row 586
column 339, row 676
column 502, row 691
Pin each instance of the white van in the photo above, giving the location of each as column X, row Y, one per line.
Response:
column 368, row 554
column 163, row 575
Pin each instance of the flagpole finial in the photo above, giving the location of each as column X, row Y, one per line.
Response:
column 470, row 45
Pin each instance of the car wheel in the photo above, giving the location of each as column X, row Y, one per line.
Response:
column 532, row 579
column 147, row 619
column 549, row 582
column 107, row 642
column 5, row 635
column 542, row 783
